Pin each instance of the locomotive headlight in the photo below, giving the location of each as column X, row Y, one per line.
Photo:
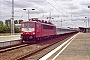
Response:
column 33, row 33
column 23, row 41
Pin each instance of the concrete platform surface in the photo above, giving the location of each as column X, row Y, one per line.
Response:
column 79, row 49
column 9, row 38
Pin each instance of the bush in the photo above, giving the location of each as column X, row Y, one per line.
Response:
column 1, row 28
column 7, row 29
column 4, row 29
column 17, row 30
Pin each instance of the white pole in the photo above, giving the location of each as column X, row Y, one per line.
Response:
column 12, row 20
column 28, row 14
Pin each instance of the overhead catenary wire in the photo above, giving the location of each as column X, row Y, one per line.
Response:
column 46, row 1
column 60, row 7
column 59, row 10
column 55, row 8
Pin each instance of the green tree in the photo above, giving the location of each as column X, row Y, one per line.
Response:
column 1, row 22
column 8, row 22
column 1, row 28
column 20, row 21
column 16, row 22
column 6, row 29
column 17, row 30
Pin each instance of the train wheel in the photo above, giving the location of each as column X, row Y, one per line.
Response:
column 37, row 39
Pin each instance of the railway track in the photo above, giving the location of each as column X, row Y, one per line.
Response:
column 31, row 50
column 12, row 48
column 39, row 54
column 35, row 55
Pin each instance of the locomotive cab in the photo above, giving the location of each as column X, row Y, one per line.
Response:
column 28, row 30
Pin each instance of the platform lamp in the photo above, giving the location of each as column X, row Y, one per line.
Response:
column 88, row 23
column 28, row 12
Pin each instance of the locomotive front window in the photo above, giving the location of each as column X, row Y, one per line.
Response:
column 31, row 25
column 27, row 25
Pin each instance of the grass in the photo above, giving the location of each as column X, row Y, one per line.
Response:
column 88, row 51
column 8, row 34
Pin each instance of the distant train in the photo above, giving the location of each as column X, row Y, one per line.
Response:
column 35, row 30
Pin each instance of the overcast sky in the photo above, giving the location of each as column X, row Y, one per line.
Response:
column 71, row 12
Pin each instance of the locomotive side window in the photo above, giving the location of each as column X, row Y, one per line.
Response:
column 47, row 27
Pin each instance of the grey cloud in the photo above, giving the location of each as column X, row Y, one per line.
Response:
column 37, row 2
column 81, row 12
column 85, row 3
column 72, row 6
column 7, row 4
column 85, row 11
column 19, row 4
column 55, row 15
column 6, row 16
column 63, row 0
column 79, row 9
column 38, row 12
column 22, row 4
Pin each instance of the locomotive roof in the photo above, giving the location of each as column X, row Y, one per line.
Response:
column 45, row 23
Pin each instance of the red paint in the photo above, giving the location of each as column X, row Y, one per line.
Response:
column 40, row 29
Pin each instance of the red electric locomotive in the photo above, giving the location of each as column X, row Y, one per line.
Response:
column 35, row 30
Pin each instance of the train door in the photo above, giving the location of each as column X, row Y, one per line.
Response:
column 55, row 30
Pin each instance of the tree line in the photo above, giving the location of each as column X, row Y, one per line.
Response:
column 6, row 27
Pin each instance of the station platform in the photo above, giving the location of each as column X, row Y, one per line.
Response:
column 6, row 41
column 78, row 49
column 9, row 38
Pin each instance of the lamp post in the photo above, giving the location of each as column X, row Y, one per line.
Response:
column 88, row 24
column 12, row 19
column 61, row 23
column 85, row 23
column 88, row 21
column 28, row 12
